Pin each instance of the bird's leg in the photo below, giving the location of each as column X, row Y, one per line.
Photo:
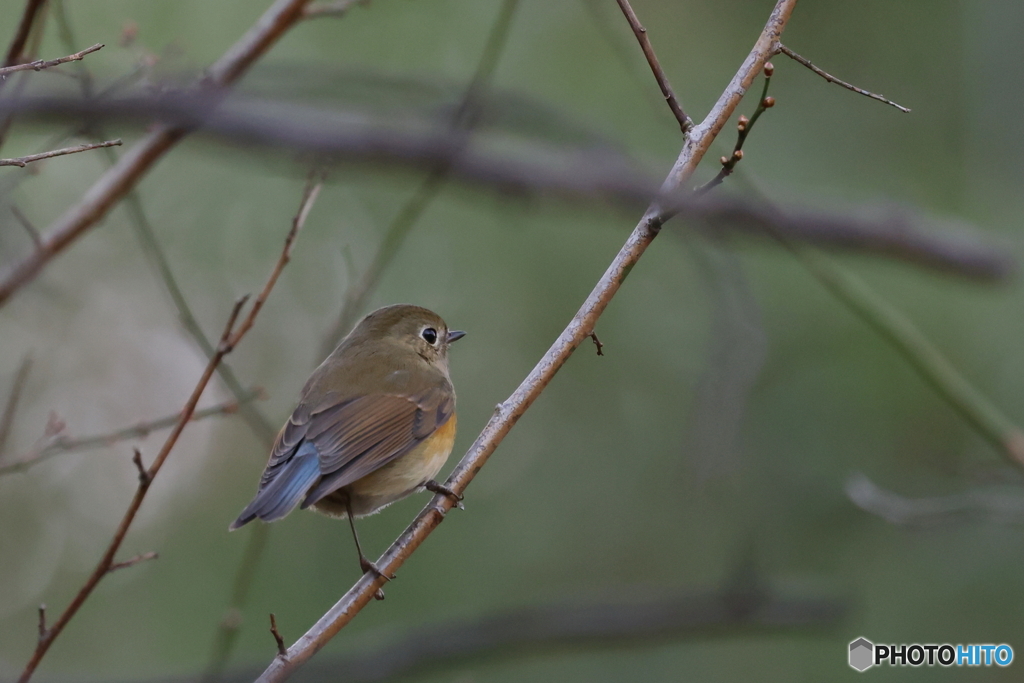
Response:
column 434, row 487
column 364, row 563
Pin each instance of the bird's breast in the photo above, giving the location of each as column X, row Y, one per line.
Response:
column 401, row 477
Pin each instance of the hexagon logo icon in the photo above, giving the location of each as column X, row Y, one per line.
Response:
column 861, row 654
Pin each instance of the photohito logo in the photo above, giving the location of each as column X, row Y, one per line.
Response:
column 864, row 654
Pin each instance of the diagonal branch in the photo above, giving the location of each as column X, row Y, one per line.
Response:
column 832, row 79
column 698, row 140
column 230, row 338
column 23, row 161
column 123, row 176
column 652, row 59
column 41, row 64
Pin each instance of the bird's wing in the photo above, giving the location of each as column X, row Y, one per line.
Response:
column 358, row 436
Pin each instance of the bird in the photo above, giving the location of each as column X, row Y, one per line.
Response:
column 375, row 422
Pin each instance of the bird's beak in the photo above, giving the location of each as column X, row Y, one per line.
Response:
column 454, row 335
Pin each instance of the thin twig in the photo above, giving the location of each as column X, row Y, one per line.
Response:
column 131, row 562
column 22, row 161
column 597, row 343
column 63, row 444
column 42, row 630
column 463, row 119
column 337, row 8
column 832, row 79
column 582, row 324
column 28, row 17
column 744, row 126
column 309, row 195
column 228, row 340
column 130, row 168
column 13, row 398
column 282, row 651
column 41, row 64
column 685, row 123
column 30, row 34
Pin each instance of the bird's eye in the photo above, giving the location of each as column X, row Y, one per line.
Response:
column 429, row 334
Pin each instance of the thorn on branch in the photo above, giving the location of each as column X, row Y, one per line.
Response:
column 43, row 631
column 151, row 555
column 144, row 476
column 743, row 126
column 597, row 343
column 282, row 651
column 832, row 79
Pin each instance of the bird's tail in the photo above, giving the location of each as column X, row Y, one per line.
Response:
column 283, row 493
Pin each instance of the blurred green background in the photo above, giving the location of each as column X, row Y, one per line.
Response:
column 626, row 480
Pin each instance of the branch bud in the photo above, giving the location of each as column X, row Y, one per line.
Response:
column 768, row 102
column 769, row 69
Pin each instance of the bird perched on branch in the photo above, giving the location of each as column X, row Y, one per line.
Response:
column 375, row 422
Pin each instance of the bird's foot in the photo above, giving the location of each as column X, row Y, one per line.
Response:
column 368, row 566
column 434, row 487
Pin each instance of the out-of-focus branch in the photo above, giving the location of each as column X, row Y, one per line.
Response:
column 832, row 79
column 229, row 339
column 990, row 505
column 652, row 60
column 570, row 626
column 463, row 119
column 113, row 185
column 983, row 415
column 337, row 8
column 139, row 219
column 17, row 45
column 41, row 64
column 13, row 397
column 60, row 445
column 698, row 140
column 568, row 173
column 25, row 160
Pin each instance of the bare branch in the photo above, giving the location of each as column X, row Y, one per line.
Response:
column 282, row 651
column 228, row 340
column 17, row 387
column 685, row 123
column 991, row 504
column 63, row 444
column 597, row 343
column 41, row 64
column 337, row 8
column 22, row 161
column 17, row 45
column 124, row 175
column 832, row 79
column 42, row 622
column 698, row 140
column 309, row 195
column 744, row 126
column 131, row 562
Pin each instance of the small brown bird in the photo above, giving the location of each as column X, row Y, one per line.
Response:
column 375, row 422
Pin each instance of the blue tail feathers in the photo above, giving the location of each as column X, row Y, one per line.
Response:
column 283, row 493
